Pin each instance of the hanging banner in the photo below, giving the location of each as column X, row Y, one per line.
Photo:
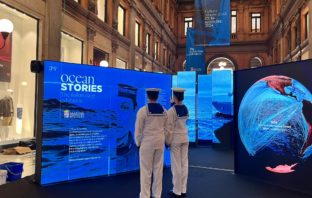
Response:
column 195, row 55
column 212, row 22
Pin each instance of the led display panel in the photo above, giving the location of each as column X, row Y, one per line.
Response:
column 88, row 119
column 187, row 80
column 273, row 117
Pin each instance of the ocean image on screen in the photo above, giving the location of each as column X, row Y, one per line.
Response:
column 187, row 80
column 280, row 123
column 88, row 119
column 215, row 104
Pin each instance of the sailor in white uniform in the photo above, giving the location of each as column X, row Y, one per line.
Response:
column 150, row 138
column 178, row 142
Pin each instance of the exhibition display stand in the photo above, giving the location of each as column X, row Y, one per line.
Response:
column 83, row 133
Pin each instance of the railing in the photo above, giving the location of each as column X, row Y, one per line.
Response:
column 234, row 36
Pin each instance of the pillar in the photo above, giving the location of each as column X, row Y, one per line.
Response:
column 53, row 28
column 115, row 5
column 132, row 16
column 90, row 44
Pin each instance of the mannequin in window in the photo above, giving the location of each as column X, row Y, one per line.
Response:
column 6, row 116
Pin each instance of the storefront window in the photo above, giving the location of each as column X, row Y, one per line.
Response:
column 101, row 9
column 188, row 23
column 17, row 84
column 121, row 64
column 137, row 34
column 71, row 49
column 121, row 20
column 148, row 43
column 99, row 57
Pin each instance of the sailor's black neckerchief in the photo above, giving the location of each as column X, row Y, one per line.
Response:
column 181, row 111
column 155, row 109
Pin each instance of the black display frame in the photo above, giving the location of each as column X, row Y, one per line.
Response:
column 243, row 79
column 37, row 67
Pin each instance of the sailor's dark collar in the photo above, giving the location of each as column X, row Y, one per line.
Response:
column 181, row 111
column 155, row 109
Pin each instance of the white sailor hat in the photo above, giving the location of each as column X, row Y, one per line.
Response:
column 152, row 90
column 178, row 93
column 178, row 90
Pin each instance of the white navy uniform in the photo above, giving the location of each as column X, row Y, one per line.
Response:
column 150, row 137
column 178, row 141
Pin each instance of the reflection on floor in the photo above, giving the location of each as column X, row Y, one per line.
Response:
column 28, row 160
column 210, row 175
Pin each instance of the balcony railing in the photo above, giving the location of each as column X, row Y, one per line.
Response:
column 234, row 36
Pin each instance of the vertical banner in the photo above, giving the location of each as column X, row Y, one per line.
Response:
column 212, row 22
column 5, row 58
column 195, row 55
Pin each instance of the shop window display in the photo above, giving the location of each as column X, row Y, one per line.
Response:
column 18, row 46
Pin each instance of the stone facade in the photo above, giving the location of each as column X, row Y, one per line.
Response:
column 80, row 20
column 281, row 39
column 269, row 45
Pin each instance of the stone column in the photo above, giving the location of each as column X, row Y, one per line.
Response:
column 161, row 55
column 115, row 5
column 90, row 44
column 153, row 41
column 132, row 16
column 115, row 13
column 53, row 28
column 144, row 46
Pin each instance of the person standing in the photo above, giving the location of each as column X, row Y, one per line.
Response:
column 150, row 138
column 178, row 142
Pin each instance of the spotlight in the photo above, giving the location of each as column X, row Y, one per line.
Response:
column 222, row 65
column 104, row 63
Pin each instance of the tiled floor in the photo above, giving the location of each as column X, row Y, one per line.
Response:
column 27, row 159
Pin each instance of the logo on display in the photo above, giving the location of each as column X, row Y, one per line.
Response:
column 195, row 52
column 73, row 114
column 79, row 83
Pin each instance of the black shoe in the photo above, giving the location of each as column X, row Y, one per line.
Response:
column 173, row 195
column 183, row 195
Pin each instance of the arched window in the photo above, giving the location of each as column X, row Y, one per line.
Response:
column 255, row 62
column 220, row 62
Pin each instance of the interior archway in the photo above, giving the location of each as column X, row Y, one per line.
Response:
column 220, row 62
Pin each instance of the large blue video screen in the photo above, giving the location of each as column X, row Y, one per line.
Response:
column 273, row 124
column 187, row 80
column 88, row 119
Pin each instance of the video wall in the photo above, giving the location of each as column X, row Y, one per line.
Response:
column 205, row 130
column 88, row 119
column 273, row 124
column 210, row 104
column 187, row 80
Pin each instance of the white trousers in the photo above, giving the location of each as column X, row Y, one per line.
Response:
column 179, row 167
column 151, row 163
